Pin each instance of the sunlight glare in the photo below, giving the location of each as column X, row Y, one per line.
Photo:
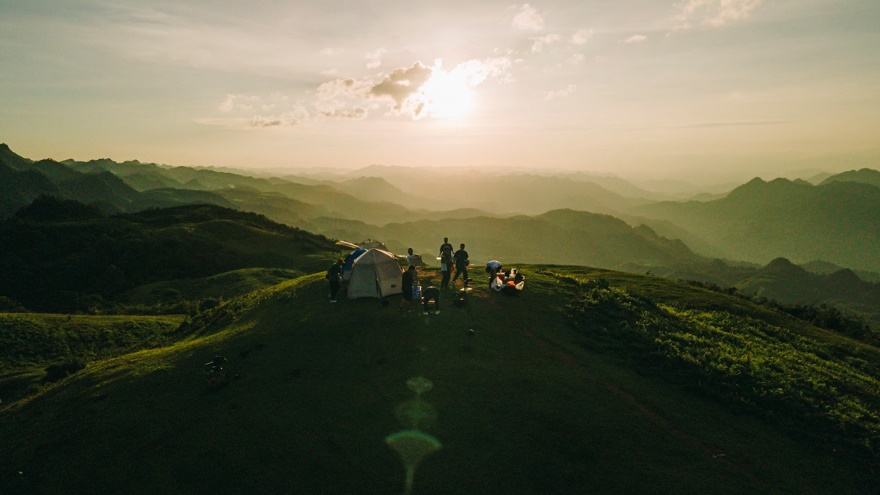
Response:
column 448, row 95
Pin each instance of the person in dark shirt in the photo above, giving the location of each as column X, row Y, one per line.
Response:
column 406, row 285
column 461, row 264
column 445, row 262
column 431, row 293
column 333, row 275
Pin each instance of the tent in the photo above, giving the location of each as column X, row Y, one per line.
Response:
column 375, row 273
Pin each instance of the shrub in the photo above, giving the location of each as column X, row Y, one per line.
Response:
column 62, row 370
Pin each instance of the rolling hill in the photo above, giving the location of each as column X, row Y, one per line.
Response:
column 838, row 222
column 561, row 236
column 63, row 256
column 590, row 381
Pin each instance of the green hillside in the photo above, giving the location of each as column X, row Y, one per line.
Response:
column 222, row 286
column 559, row 236
column 36, row 349
column 783, row 282
column 588, row 382
column 61, row 256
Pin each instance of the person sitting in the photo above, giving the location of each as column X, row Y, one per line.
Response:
column 510, row 289
column 517, row 276
column 498, row 282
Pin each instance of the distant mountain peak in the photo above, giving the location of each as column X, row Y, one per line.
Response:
column 844, row 277
column 864, row 175
column 783, row 266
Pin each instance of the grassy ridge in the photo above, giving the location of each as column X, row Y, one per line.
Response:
column 223, row 286
column 827, row 389
column 36, row 348
column 28, row 339
column 525, row 405
column 59, row 265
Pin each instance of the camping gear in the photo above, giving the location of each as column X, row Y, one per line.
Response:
column 375, row 273
column 215, row 375
column 349, row 260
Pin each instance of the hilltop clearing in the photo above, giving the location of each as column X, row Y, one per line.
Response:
column 574, row 386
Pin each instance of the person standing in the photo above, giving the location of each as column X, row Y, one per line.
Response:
column 414, row 261
column 406, row 286
column 461, row 263
column 334, row 273
column 445, row 262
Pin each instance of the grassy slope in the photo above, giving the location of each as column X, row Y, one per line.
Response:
column 30, row 342
column 224, row 285
column 522, row 407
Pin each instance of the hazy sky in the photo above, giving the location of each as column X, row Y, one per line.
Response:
column 709, row 88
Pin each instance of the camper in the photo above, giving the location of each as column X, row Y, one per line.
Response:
column 375, row 273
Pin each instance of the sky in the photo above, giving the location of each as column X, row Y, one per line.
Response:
column 706, row 90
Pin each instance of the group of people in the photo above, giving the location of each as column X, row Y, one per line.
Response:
column 450, row 260
column 508, row 282
column 430, row 294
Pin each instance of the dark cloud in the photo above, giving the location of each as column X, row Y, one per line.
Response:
column 402, row 83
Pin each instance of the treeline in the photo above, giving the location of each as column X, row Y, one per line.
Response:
column 822, row 315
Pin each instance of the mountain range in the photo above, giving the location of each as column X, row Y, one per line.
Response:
column 836, row 221
column 514, row 216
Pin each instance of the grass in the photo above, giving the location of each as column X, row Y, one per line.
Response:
column 223, row 286
column 815, row 387
column 527, row 404
column 34, row 346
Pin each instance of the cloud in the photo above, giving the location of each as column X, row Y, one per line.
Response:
column 634, row 39
column 543, row 41
column 294, row 117
column 713, row 124
column 576, row 58
column 713, row 12
column 330, row 51
column 561, row 93
column 478, row 71
column 527, row 18
column 581, row 37
column 238, row 102
column 357, row 113
column 348, row 88
column 349, row 99
column 405, row 91
column 374, row 59
column 240, row 112
column 401, row 84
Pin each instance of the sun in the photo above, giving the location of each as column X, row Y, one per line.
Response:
column 447, row 95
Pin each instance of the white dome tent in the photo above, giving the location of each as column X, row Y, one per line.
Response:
column 375, row 273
